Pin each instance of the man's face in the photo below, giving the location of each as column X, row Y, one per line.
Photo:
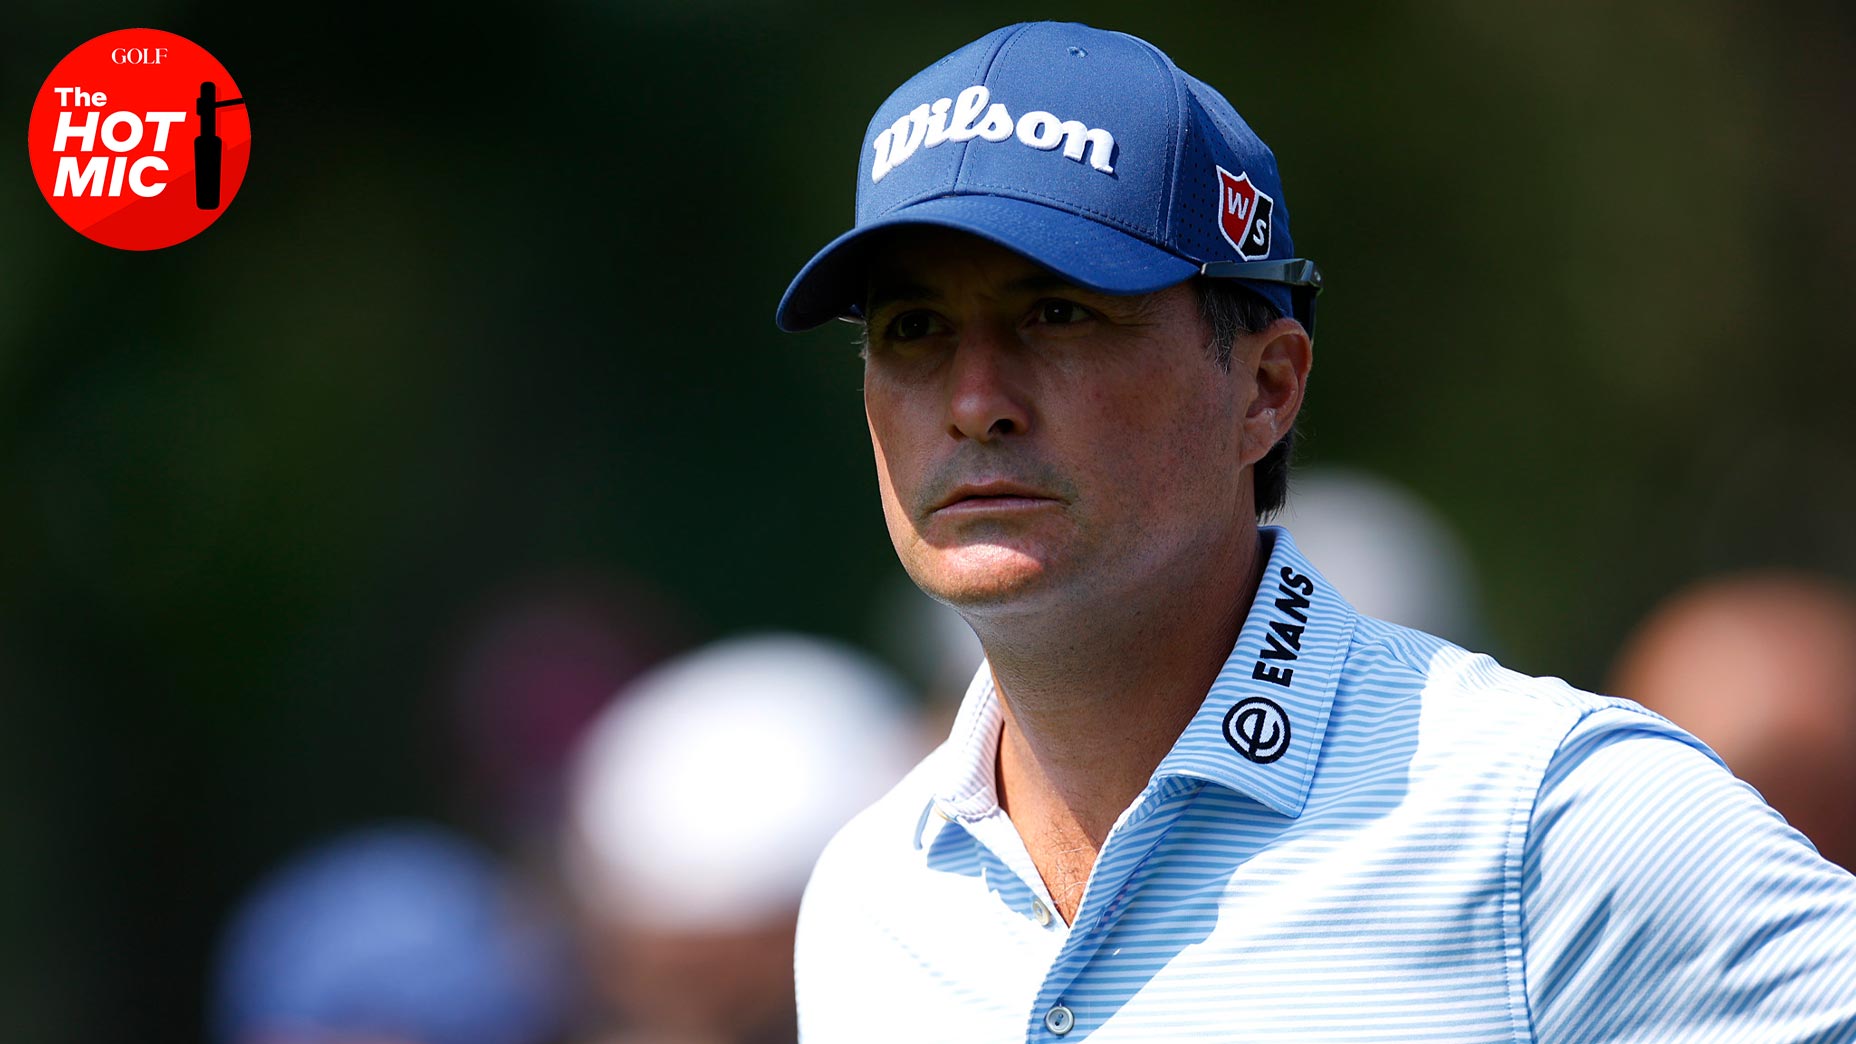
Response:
column 1039, row 445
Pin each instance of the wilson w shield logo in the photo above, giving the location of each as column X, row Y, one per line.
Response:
column 1244, row 214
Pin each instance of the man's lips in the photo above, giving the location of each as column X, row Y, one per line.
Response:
column 993, row 496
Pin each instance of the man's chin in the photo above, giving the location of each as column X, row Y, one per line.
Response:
column 979, row 576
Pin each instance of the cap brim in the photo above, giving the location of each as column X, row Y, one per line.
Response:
column 1082, row 250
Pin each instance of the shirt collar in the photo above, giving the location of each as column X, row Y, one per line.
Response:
column 1261, row 727
column 965, row 788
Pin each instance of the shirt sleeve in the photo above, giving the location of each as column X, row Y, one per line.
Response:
column 1663, row 901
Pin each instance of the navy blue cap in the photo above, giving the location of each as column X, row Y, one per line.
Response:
column 1085, row 150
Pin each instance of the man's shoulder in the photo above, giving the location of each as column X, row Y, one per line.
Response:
column 1477, row 692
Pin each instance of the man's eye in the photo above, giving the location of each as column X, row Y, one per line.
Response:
column 1059, row 313
column 910, row 326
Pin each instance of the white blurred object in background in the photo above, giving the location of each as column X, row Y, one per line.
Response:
column 1387, row 551
column 698, row 802
column 706, row 791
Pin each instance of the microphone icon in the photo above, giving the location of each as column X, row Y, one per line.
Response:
column 208, row 149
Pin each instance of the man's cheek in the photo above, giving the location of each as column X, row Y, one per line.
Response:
column 885, row 477
column 896, row 515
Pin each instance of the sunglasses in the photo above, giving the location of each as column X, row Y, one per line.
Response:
column 1298, row 274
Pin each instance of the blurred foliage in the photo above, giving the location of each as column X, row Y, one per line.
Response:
column 495, row 302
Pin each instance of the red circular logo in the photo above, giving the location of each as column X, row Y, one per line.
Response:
column 139, row 139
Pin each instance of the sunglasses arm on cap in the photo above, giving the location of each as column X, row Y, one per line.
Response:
column 1299, row 274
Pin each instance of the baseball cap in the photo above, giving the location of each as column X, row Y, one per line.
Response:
column 1087, row 151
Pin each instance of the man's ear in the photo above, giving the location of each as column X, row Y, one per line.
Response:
column 1278, row 359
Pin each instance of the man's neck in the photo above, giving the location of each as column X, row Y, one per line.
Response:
column 1092, row 707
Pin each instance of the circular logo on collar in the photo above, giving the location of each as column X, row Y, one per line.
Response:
column 1258, row 729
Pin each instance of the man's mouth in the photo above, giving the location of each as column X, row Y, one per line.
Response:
column 993, row 495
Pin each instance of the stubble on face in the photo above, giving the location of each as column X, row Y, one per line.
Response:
column 982, row 561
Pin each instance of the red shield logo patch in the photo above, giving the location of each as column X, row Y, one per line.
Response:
column 1244, row 215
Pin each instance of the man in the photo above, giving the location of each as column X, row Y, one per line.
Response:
column 1192, row 794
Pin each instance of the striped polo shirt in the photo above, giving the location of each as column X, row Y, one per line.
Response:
column 1365, row 834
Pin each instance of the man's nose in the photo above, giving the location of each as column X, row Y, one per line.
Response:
column 987, row 399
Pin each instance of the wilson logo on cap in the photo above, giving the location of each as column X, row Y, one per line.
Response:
column 1244, row 213
column 968, row 117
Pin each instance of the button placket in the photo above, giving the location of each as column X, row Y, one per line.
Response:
column 1106, row 897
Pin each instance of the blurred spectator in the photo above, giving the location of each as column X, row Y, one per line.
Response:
column 395, row 935
column 1394, row 555
column 698, row 804
column 1762, row 667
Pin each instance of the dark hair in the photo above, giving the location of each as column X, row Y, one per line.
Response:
column 1230, row 308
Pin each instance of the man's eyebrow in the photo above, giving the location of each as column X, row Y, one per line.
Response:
column 1043, row 282
column 889, row 291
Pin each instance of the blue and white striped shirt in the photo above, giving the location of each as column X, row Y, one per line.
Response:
column 1365, row 834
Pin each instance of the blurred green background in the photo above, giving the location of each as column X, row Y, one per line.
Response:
column 494, row 307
